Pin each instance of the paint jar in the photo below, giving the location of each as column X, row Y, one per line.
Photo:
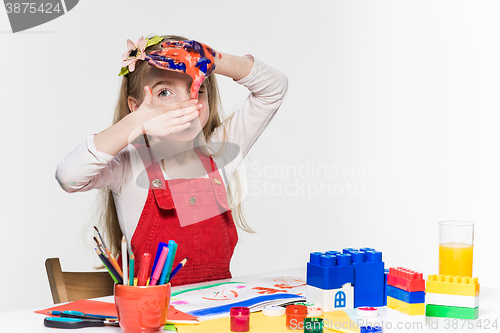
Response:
column 273, row 311
column 295, row 315
column 240, row 319
column 312, row 310
column 456, row 241
column 142, row 309
column 313, row 325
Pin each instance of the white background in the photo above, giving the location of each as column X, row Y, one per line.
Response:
column 405, row 90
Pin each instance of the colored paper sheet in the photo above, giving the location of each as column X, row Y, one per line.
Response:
column 174, row 314
column 109, row 309
column 214, row 301
column 85, row 306
column 261, row 323
column 338, row 321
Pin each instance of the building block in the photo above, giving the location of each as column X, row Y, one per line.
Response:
column 386, row 271
column 406, row 296
column 368, row 277
column 406, row 308
column 371, row 329
column 406, row 279
column 453, row 285
column 331, row 299
column 452, row 300
column 432, row 310
column 329, row 271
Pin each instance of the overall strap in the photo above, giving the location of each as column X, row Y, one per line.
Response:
column 214, row 179
column 157, row 182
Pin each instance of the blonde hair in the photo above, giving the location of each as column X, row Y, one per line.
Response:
column 132, row 85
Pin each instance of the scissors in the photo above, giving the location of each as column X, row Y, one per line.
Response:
column 81, row 315
column 65, row 322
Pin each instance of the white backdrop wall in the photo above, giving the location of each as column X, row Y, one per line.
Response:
column 390, row 125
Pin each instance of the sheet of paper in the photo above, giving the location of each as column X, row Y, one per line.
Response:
column 201, row 300
column 108, row 309
column 85, row 306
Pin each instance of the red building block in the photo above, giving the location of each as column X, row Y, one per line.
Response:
column 406, row 279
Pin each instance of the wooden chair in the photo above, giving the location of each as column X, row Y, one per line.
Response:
column 72, row 286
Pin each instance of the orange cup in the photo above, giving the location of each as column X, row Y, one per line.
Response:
column 142, row 309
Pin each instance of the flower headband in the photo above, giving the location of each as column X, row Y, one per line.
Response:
column 136, row 51
column 188, row 57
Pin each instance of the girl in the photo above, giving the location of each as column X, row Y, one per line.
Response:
column 168, row 158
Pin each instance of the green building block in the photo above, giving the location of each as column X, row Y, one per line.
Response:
column 432, row 310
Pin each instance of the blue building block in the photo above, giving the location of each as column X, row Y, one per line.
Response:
column 329, row 271
column 371, row 329
column 369, row 286
column 386, row 271
column 406, row 296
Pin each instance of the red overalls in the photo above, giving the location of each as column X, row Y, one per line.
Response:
column 209, row 244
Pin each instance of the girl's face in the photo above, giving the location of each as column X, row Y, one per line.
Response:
column 174, row 87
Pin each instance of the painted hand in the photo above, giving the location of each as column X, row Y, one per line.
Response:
column 189, row 57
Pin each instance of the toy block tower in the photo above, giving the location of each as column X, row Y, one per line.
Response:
column 452, row 297
column 330, row 276
column 386, row 271
column 369, row 285
column 406, row 291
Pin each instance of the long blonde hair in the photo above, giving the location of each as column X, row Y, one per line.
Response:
column 132, row 85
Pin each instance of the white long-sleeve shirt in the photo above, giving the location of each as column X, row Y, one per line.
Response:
column 86, row 168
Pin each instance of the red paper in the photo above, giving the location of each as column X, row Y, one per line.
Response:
column 85, row 306
column 108, row 309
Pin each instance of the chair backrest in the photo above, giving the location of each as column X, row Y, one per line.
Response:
column 72, row 286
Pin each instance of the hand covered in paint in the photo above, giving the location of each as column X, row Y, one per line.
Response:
column 163, row 120
column 189, row 57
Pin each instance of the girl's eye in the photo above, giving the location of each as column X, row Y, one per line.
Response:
column 164, row 93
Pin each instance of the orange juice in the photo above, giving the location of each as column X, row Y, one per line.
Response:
column 455, row 259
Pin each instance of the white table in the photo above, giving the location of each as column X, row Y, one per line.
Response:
column 27, row 321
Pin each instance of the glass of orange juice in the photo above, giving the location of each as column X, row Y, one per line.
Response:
column 456, row 241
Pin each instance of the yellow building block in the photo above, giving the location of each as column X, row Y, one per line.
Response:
column 412, row 309
column 452, row 285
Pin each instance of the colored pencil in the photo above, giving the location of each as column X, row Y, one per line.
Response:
column 110, row 256
column 159, row 266
column 142, row 278
column 167, row 268
column 124, row 260
column 109, row 267
column 131, row 269
column 177, row 268
column 113, row 262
